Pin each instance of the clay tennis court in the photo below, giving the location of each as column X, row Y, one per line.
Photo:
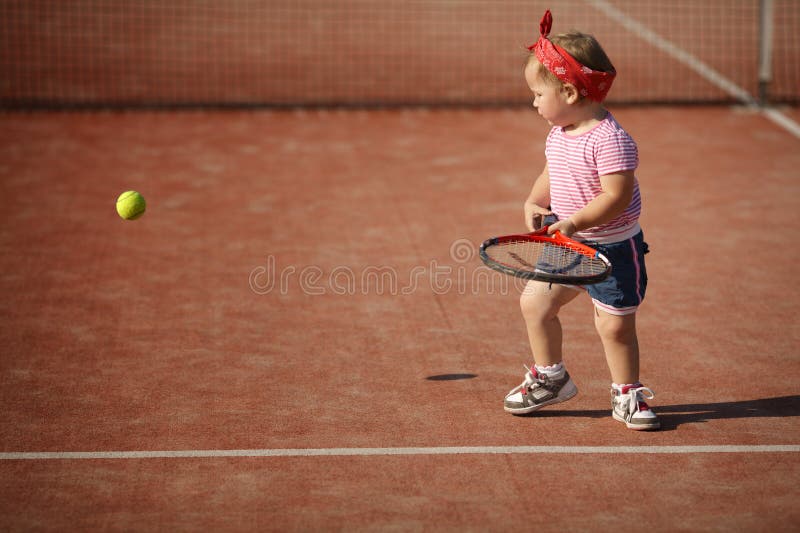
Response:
column 298, row 334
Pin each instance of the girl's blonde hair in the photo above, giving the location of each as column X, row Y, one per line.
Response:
column 583, row 47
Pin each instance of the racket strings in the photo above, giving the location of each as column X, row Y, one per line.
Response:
column 547, row 258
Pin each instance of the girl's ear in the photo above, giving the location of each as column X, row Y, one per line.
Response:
column 571, row 94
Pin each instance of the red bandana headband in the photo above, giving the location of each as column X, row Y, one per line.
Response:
column 593, row 84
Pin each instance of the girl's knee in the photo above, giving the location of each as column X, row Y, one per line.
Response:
column 542, row 301
column 538, row 307
column 614, row 327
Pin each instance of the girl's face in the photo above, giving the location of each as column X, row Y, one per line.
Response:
column 549, row 100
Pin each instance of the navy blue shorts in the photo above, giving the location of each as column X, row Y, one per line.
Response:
column 623, row 291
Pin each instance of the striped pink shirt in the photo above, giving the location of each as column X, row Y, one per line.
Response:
column 575, row 165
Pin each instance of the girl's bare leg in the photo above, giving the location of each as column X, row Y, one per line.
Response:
column 618, row 334
column 540, row 303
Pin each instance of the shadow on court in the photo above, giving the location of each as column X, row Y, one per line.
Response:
column 672, row 416
column 451, row 377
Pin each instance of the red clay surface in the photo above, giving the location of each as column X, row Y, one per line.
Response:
column 164, row 334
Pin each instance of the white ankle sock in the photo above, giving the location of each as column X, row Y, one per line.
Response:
column 553, row 371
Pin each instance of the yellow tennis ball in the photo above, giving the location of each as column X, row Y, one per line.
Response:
column 131, row 205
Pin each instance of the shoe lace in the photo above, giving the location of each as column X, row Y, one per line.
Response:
column 633, row 399
column 533, row 379
column 638, row 397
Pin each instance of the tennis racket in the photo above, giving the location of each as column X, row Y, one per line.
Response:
column 542, row 257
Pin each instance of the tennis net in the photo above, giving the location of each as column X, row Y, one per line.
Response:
column 140, row 53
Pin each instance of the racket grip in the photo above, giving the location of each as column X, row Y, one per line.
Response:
column 539, row 221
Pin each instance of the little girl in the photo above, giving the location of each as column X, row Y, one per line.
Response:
column 588, row 185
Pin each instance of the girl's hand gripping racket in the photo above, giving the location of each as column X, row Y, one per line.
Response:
column 542, row 257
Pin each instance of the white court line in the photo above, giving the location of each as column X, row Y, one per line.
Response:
column 362, row 452
column 782, row 120
column 703, row 69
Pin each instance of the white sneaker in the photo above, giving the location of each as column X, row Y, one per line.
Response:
column 539, row 390
column 629, row 407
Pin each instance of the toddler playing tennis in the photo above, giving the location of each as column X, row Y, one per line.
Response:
column 589, row 185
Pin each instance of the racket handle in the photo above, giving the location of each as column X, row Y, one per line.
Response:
column 542, row 222
column 539, row 220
